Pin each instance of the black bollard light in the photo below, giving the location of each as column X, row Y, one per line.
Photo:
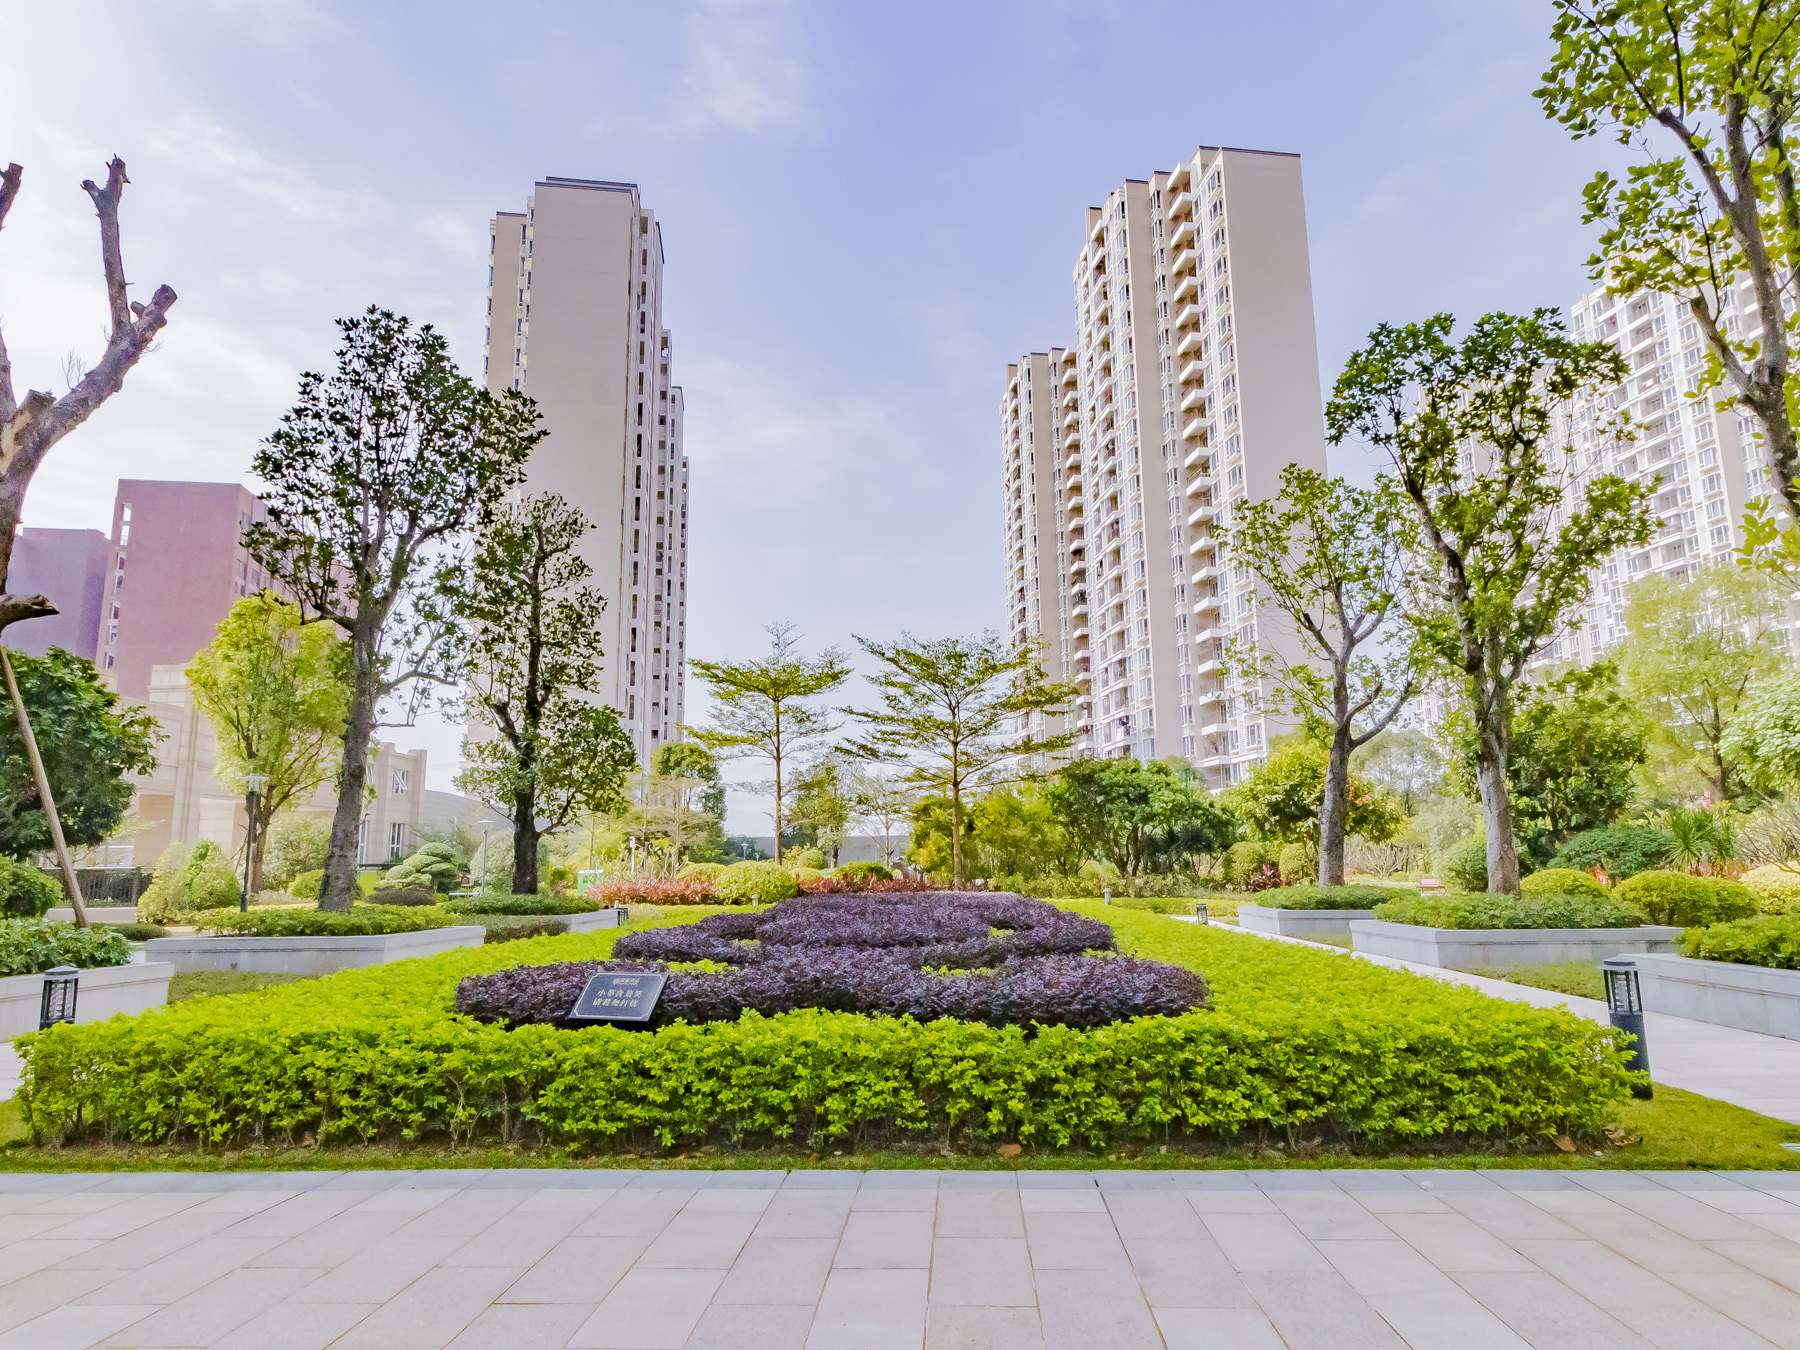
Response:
column 1200, row 914
column 1625, row 1002
column 59, row 996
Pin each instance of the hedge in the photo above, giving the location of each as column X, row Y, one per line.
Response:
column 25, row 892
column 1775, row 886
column 361, row 921
column 1509, row 911
column 760, row 883
column 1767, row 940
column 1618, row 850
column 1562, row 881
column 1299, row 1043
column 520, row 904
column 1330, row 897
column 30, row 947
column 1686, row 901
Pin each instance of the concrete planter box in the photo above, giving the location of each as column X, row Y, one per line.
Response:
column 598, row 919
column 1477, row 948
column 1300, row 923
column 96, row 914
column 307, row 955
column 102, row 991
column 1750, row 998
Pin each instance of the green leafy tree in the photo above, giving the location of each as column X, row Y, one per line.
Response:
column 1692, row 650
column 1577, row 741
column 371, row 479
column 296, row 844
column 682, row 800
column 1509, row 533
column 1017, row 833
column 947, row 712
column 1764, row 738
column 1330, row 558
column 1405, row 763
column 1139, row 817
column 824, row 799
column 1715, row 82
column 1279, row 798
column 545, row 749
column 91, row 746
column 275, row 691
column 883, row 802
column 762, row 708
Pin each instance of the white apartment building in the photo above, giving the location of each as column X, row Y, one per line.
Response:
column 1193, row 381
column 578, row 326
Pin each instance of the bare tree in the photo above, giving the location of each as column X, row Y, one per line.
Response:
column 28, row 428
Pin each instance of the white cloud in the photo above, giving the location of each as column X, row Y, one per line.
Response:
column 742, row 69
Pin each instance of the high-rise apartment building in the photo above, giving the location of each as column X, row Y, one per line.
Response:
column 1192, row 382
column 70, row 567
column 575, row 320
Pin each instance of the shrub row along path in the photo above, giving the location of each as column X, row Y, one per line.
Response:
column 899, row 1260
column 1759, row 1073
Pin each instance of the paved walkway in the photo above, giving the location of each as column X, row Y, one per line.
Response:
column 913, row 1260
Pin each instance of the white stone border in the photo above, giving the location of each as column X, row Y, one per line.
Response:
column 307, row 955
column 1300, row 923
column 1725, row 993
column 101, row 992
column 1497, row 948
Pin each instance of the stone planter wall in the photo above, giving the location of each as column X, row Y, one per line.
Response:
column 1494, row 948
column 95, row 913
column 1750, row 998
column 102, row 991
column 1300, row 923
column 596, row 920
column 307, row 955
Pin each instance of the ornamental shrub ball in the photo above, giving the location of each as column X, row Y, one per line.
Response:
column 1618, row 850
column 406, row 895
column 306, row 885
column 25, row 892
column 1465, row 862
column 1299, row 865
column 760, row 883
column 189, row 878
column 809, row 857
column 161, row 899
column 434, row 867
column 1735, row 900
column 864, row 871
column 1774, row 886
column 699, row 871
column 1683, row 900
column 215, row 885
column 1562, row 881
column 1331, row 897
column 802, row 875
column 1771, row 940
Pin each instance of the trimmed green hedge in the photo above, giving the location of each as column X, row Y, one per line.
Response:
column 1330, row 897
column 1686, row 901
column 1767, row 940
column 1562, row 881
column 25, row 892
column 31, row 946
column 761, row 883
column 362, row 921
column 1298, row 1040
column 520, row 904
column 1507, row 911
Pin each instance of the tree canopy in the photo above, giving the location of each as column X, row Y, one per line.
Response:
column 1279, row 798
column 1140, row 817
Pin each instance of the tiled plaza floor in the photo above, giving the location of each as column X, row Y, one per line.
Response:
column 881, row 1261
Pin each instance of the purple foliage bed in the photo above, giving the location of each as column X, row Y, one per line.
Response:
column 998, row 959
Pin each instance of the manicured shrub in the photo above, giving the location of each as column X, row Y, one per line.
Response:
column 433, row 868
column 1775, row 886
column 25, row 892
column 810, row 858
column 136, row 932
column 189, row 879
column 1562, row 881
column 1734, row 899
column 306, row 885
column 513, row 927
column 760, row 883
column 1507, row 911
column 1329, row 897
column 520, row 904
column 699, row 871
column 1618, row 850
column 1299, row 864
column 1252, row 866
column 361, row 921
column 31, row 946
column 296, row 844
column 1296, row 1040
column 406, row 896
column 1466, row 862
column 863, row 871
column 653, row 891
column 803, row 875
column 1766, row 940
column 1683, row 900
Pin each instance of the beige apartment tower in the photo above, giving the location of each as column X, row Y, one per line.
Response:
column 575, row 320
column 1192, row 382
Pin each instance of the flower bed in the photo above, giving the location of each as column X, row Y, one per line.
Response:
column 1508, row 911
column 1330, row 897
column 521, row 904
column 30, row 947
column 1296, row 1040
column 1771, row 940
column 884, row 955
column 360, row 921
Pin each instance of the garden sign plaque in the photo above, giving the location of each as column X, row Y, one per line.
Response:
column 614, row 997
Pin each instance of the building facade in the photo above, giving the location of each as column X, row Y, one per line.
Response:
column 1192, row 382
column 70, row 567
column 577, row 324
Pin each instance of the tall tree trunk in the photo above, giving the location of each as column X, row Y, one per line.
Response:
column 525, row 842
column 338, row 890
column 1496, row 802
column 1334, row 808
column 777, row 758
column 956, row 858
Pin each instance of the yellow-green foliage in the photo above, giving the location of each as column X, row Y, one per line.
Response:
column 807, row 874
column 1776, row 886
column 1298, row 1040
column 761, row 883
column 1562, row 881
column 698, row 871
column 189, row 878
column 1683, row 900
column 1245, row 861
column 1299, row 865
column 812, row 858
column 306, row 885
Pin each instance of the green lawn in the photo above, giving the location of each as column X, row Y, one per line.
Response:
column 198, row 983
column 1580, row 978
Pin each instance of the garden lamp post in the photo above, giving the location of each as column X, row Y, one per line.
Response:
column 1624, row 1000
column 60, row 985
column 254, row 783
column 1200, row 914
column 487, row 863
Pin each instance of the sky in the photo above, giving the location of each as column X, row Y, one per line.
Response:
column 868, row 209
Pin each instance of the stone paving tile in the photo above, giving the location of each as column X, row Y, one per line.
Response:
column 1651, row 1306
column 1230, row 1202
column 1153, row 1214
column 431, row 1311
column 1263, row 1242
column 632, row 1213
column 47, row 1183
column 1321, row 1214
column 293, row 1217
column 70, row 1328
column 805, row 1214
column 1075, row 1242
column 1687, row 1216
column 42, row 1290
column 901, row 1179
column 1546, row 1312
column 1186, row 1273
column 892, row 1198
column 380, row 1273
column 980, row 1214
column 1446, row 1179
column 1781, row 1225
column 699, row 1241
column 1426, row 1307
column 574, row 1200
column 333, row 1242
column 523, row 1326
column 154, row 1241
column 1087, row 1200
column 1762, row 1305
column 180, row 1273
column 466, row 1212
column 746, row 1327
column 886, row 1240
column 577, row 1270
column 19, row 1259
column 15, row 1226
column 135, row 1212
column 982, row 1181
column 830, row 1180
column 295, row 1326
column 983, row 1329
column 1455, row 1242
column 408, row 1201
column 1505, row 1216
column 1649, row 1245
column 210, row 1313
column 990, row 1272
column 870, row 1310
column 778, row 1270
column 1091, row 1315
column 1217, row 1329
column 1318, row 1310
column 76, row 1202
column 515, row 1239
column 1056, row 1181
column 650, row 1310
column 1778, row 1261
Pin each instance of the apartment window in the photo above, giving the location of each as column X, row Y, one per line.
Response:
column 396, row 840
column 400, row 781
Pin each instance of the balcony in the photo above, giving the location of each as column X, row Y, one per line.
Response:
column 1216, row 762
column 1184, row 288
column 1071, row 399
column 1206, row 571
column 1183, row 260
column 1188, row 317
column 1211, row 696
column 1196, row 458
column 1080, row 634
column 1072, row 463
column 1073, row 421
column 1193, row 342
column 1182, row 205
column 1193, row 373
column 1194, row 431
column 1195, row 403
column 1205, row 511
column 1211, row 666
column 1184, row 234
column 1074, row 487
column 1073, row 439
